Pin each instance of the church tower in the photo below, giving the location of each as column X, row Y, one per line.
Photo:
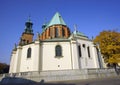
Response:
column 27, row 35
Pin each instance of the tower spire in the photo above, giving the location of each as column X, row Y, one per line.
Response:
column 28, row 26
column 29, row 18
column 27, row 35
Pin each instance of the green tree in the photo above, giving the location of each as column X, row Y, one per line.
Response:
column 110, row 46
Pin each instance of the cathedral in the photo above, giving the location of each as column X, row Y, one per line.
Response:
column 55, row 48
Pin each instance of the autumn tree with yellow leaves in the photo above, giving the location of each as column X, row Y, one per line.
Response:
column 109, row 42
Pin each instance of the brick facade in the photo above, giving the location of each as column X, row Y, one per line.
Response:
column 50, row 32
column 26, row 38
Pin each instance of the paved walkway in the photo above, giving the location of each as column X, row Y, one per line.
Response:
column 104, row 81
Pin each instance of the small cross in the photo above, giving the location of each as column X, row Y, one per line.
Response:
column 75, row 28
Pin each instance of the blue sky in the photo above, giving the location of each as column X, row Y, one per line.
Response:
column 91, row 17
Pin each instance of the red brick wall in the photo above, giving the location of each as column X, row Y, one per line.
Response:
column 50, row 32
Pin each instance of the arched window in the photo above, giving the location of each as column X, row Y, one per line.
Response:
column 88, row 49
column 83, row 45
column 23, row 41
column 27, row 41
column 51, row 32
column 29, row 53
column 79, row 50
column 63, row 32
column 56, row 32
column 58, row 50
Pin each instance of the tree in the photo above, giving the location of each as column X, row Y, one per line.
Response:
column 4, row 68
column 110, row 46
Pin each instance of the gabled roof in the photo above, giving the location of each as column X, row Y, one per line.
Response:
column 79, row 33
column 57, row 19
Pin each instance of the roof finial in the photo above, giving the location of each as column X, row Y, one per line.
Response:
column 29, row 18
column 75, row 28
